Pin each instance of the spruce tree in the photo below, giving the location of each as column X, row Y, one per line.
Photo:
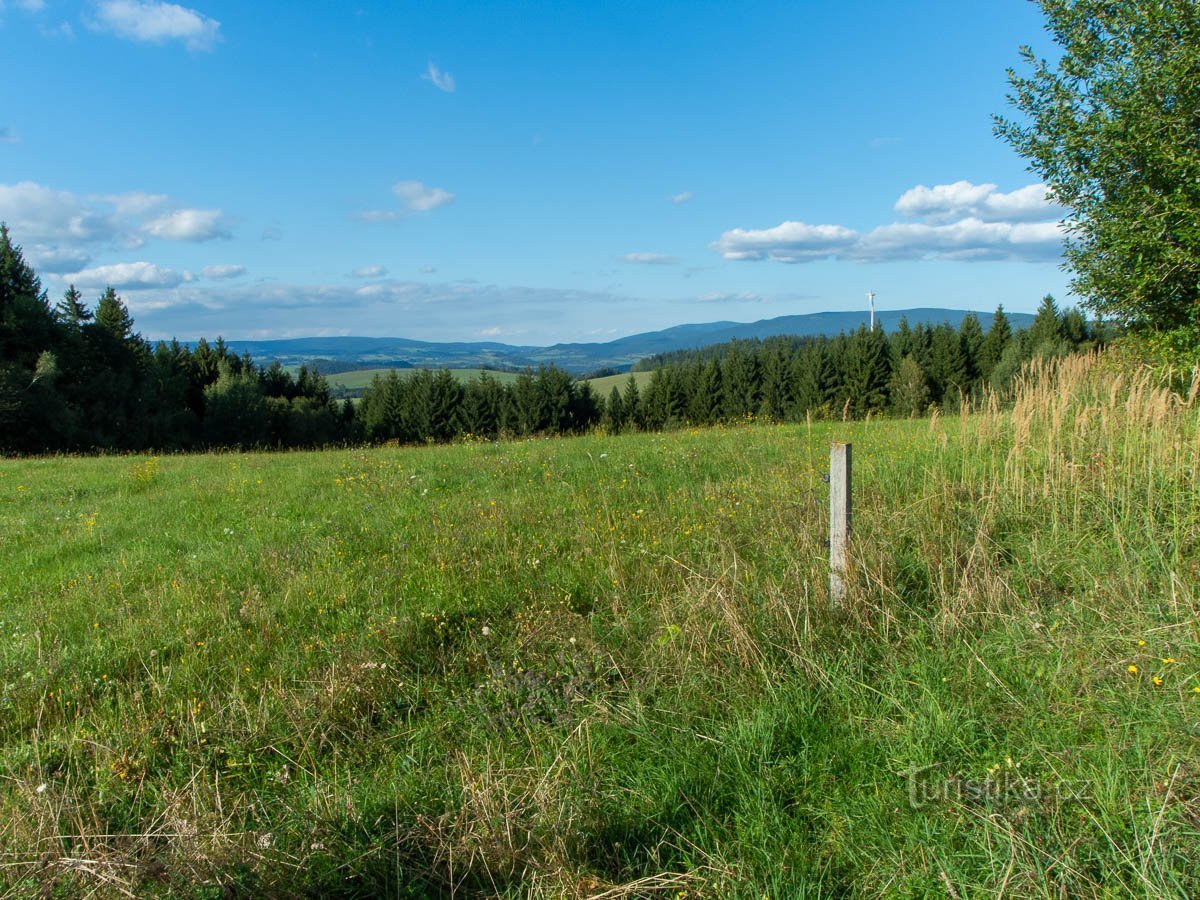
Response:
column 868, row 368
column 632, row 402
column 1046, row 336
column 994, row 342
column 704, row 405
column 112, row 316
column 71, row 310
column 970, row 335
column 947, row 369
column 614, row 412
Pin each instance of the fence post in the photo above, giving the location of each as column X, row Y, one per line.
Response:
column 839, row 519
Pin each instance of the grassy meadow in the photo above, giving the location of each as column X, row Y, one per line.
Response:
column 360, row 379
column 606, row 666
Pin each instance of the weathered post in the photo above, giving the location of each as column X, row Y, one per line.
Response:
column 839, row 520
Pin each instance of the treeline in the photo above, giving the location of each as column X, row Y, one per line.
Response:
column 434, row 405
column 904, row 372
column 80, row 378
column 77, row 378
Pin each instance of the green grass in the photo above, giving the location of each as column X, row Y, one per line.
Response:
column 603, row 386
column 358, row 379
column 564, row 667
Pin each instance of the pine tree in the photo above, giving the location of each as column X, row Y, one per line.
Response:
column 814, row 381
column 776, row 387
column 614, row 412
column 445, row 404
column 1075, row 329
column 739, row 371
column 947, row 369
column 632, row 400
column 483, row 405
column 994, row 342
column 704, row 405
column 17, row 278
column 71, row 310
column 1046, row 336
column 113, row 316
column 868, row 368
column 970, row 336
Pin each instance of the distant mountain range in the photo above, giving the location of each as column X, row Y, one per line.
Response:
column 339, row 354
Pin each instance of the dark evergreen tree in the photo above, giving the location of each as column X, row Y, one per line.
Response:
column 71, row 310
column 1046, row 336
column 739, row 371
column 704, row 405
column 868, row 369
column 775, row 392
column 947, row 369
column 614, row 412
column 994, row 342
column 970, row 337
column 814, row 381
column 633, row 404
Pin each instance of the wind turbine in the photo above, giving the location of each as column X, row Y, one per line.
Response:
column 871, row 298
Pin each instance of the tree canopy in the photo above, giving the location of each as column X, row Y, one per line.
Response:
column 1113, row 128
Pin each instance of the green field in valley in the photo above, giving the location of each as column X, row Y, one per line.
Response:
column 607, row 666
column 358, row 379
column 603, row 386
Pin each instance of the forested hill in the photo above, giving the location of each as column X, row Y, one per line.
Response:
column 340, row 353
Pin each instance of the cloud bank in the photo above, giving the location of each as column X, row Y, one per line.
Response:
column 960, row 221
column 414, row 197
column 63, row 228
column 157, row 23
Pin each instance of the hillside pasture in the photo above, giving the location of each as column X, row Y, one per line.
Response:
column 606, row 666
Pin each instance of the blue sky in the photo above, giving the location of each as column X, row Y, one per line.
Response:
column 524, row 172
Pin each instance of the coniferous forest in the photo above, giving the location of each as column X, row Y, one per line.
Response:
column 77, row 377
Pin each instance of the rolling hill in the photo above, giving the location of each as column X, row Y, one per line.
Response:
column 344, row 353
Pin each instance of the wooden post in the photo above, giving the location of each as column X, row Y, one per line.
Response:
column 839, row 520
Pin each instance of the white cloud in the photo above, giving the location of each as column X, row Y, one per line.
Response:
column 786, row 242
column 650, row 259
column 414, row 197
column 130, row 276
column 962, row 222
column 419, row 198
column 133, row 203
column 222, row 271
column 369, row 272
column 968, row 240
column 188, row 225
column 681, row 197
column 156, row 23
column 443, row 81
column 37, row 213
column 43, row 215
column 56, row 260
column 964, row 200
